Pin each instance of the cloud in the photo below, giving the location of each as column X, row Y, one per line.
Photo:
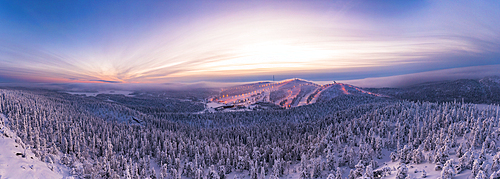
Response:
column 107, row 81
column 257, row 42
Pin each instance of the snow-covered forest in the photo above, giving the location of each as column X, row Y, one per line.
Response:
column 350, row 136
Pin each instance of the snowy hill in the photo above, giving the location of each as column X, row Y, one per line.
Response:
column 286, row 94
column 485, row 90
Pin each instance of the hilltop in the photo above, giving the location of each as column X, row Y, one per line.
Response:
column 285, row 94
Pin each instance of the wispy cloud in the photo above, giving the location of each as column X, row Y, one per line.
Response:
column 256, row 42
column 106, row 81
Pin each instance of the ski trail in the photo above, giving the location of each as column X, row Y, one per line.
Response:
column 323, row 88
column 291, row 95
column 303, row 101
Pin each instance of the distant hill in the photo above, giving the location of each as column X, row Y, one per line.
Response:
column 485, row 90
column 286, row 94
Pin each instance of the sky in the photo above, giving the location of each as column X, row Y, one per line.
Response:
column 74, row 41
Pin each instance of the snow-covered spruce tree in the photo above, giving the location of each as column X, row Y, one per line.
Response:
column 338, row 173
column 495, row 166
column 316, row 167
column 418, row 157
column 402, row 171
column 262, row 173
column 481, row 175
column 331, row 176
column 495, row 175
column 212, row 173
column 448, row 170
column 460, row 151
column 352, row 174
column 222, row 172
column 475, row 169
column 464, row 161
column 279, row 167
column 368, row 172
column 360, row 169
column 394, row 156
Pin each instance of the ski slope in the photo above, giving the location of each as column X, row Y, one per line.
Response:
column 286, row 94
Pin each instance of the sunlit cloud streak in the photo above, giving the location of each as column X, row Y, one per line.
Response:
column 266, row 41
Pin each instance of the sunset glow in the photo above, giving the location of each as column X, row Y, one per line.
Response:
column 235, row 40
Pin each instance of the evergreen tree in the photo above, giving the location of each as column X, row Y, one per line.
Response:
column 402, row 172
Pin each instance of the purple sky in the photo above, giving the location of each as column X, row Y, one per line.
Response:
column 229, row 41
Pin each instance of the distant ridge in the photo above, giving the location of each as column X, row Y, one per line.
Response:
column 481, row 91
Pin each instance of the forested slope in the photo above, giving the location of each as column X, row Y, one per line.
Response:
column 349, row 136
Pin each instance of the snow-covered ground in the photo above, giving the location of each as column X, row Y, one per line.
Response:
column 14, row 165
column 416, row 170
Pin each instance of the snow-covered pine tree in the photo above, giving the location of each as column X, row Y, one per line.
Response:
column 402, row 171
